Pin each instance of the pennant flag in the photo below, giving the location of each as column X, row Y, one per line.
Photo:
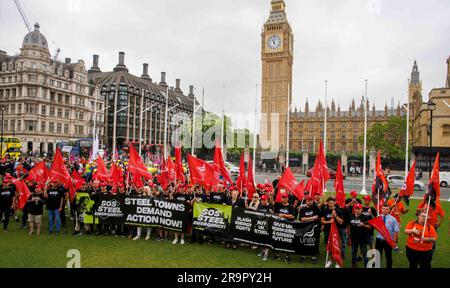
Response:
column 24, row 192
column 291, row 184
column 219, row 164
column 407, row 189
column 379, row 225
column 380, row 184
column 77, row 180
column 320, row 175
column 434, row 188
column 102, row 172
column 339, row 186
column 136, row 165
column 250, row 179
column 39, row 173
column 242, row 179
column 201, row 172
column 334, row 245
column 179, row 165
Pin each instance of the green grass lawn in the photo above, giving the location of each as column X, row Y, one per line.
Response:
column 17, row 249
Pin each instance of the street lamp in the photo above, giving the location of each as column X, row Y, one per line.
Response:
column 140, row 128
column 2, row 108
column 165, row 126
column 431, row 108
column 115, row 127
column 364, row 191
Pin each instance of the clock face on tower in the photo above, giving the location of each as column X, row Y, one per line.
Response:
column 274, row 42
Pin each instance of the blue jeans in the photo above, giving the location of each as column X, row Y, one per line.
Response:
column 53, row 217
column 343, row 236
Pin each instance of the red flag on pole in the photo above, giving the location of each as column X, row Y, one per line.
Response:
column 219, row 164
column 379, row 225
column 201, row 172
column 434, row 188
column 24, row 192
column 291, row 184
column 58, row 171
column 39, row 173
column 380, row 184
column 339, row 186
column 320, row 175
column 179, row 165
column 102, row 172
column 116, row 174
column 334, row 245
column 171, row 173
column 136, row 165
column 242, row 179
column 250, row 179
column 408, row 187
column 77, row 180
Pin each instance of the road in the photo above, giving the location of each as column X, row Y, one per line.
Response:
column 353, row 183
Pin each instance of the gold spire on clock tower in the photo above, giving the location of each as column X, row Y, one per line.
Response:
column 277, row 58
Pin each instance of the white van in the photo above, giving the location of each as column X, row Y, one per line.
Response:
column 444, row 177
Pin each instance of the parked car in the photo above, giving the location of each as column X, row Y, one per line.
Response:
column 399, row 180
column 330, row 171
column 444, row 177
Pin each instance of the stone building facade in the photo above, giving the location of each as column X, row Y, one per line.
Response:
column 47, row 101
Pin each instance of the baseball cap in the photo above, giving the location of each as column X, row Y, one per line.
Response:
column 354, row 193
column 357, row 206
column 284, row 194
column 264, row 197
column 367, row 198
column 309, row 197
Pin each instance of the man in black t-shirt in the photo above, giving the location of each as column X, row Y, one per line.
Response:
column 181, row 196
column 55, row 200
column 359, row 230
column 7, row 199
column 35, row 205
column 370, row 212
column 309, row 213
column 331, row 214
column 286, row 211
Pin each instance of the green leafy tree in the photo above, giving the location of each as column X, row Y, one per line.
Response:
column 389, row 138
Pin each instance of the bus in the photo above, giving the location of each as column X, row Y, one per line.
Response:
column 10, row 146
column 76, row 147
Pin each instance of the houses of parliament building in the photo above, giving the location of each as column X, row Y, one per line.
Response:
column 344, row 126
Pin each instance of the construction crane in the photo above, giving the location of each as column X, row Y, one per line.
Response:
column 27, row 23
column 24, row 17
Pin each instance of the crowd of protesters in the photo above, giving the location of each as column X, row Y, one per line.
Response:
column 351, row 220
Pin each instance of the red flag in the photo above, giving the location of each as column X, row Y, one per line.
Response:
column 434, row 188
column 308, row 186
column 39, row 173
column 320, row 175
column 242, row 179
column 291, row 184
column 102, row 172
column 379, row 225
column 77, row 180
column 171, row 169
column 136, row 165
column 24, row 192
column 58, row 171
column 201, row 172
column 250, row 179
column 334, row 245
column 219, row 164
column 339, row 186
column 116, row 174
column 380, row 184
column 179, row 165
column 408, row 187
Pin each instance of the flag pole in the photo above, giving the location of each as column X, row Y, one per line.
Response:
column 165, row 121
column 326, row 116
column 426, row 218
column 255, row 132
column 407, row 137
column 193, row 128
column 363, row 191
column 326, row 260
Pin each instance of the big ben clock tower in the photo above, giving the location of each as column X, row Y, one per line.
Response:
column 277, row 57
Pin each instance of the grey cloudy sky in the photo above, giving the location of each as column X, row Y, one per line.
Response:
column 214, row 44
